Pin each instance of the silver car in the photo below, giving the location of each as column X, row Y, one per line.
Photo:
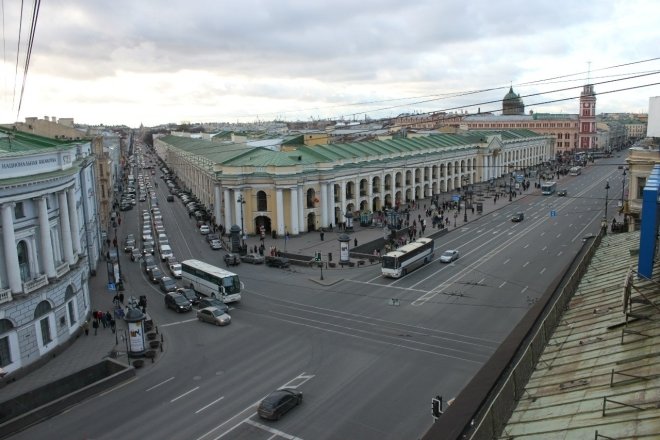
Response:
column 449, row 256
column 213, row 315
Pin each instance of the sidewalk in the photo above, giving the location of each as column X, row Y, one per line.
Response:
column 91, row 349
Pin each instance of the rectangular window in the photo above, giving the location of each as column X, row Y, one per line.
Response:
column 18, row 210
column 559, row 135
column 45, row 331
column 641, row 181
column 5, row 353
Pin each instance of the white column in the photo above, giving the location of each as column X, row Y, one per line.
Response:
column 302, row 225
column 73, row 217
column 370, row 192
column 65, row 227
column 239, row 210
column 279, row 201
column 294, row 211
column 217, row 203
column 228, row 200
column 11, row 255
column 44, row 235
column 342, row 200
column 331, row 204
column 324, row 205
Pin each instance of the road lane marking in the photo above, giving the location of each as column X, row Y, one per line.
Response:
column 159, row 384
column 204, row 407
column 558, row 235
column 523, row 291
column 526, row 263
column 273, row 431
column 184, row 394
column 506, row 261
column 544, row 248
column 178, row 322
column 526, row 246
column 542, row 270
column 502, row 285
column 542, row 233
column 559, row 254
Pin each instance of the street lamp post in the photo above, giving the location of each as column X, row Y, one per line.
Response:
column 607, row 193
column 623, row 186
column 241, row 201
column 510, row 190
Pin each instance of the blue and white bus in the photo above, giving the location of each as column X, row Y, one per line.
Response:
column 211, row 281
column 548, row 188
column 407, row 258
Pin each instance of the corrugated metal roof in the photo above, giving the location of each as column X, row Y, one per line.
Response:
column 598, row 373
column 18, row 142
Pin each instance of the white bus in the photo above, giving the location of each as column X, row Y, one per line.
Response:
column 211, row 281
column 575, row 171
column 407, row 258
column 548, row 188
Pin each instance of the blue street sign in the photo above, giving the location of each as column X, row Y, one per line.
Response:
column 455, row 198
column 520, row 178
column 111, row 286
column 553, row 213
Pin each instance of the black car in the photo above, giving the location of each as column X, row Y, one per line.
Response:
column 277, row 262
column 148, row 263
column 561, row 193
column 278, row 403
column 518, row 217
column 212, row 302
column 155, row 275
column 189, row 294
column 177, row 302
column 232, row 259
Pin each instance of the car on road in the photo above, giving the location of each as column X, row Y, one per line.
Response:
column 136, row 254
column 214, row 316
column 190, row 295
column 278, row 403
column 277, row 262
column 177, row 302
column 232, row 259
column 215, row 245
column 212, row 237
column 518, row 217
column 167, row 284
column 170, row 198
column 449, row 255
column 213, row 302
column 148, row 263
column 561, row 193
column 129, row 244
column 175, row 269
column 148, row 249
column 252, row 259
column 155, row 275
column 204, row 229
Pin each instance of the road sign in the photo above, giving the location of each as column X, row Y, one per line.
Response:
column 520, row 178
column 111, row 286
column 455, row 198
column 553, row 213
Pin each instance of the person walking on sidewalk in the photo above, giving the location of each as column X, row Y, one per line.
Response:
column 85, row 327
column 95, row 324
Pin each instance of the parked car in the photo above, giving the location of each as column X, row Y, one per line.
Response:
column 252, row 259
column 449, row 256
column 278, row 403
column 155, row 275
column 277, row 261
column 214, row 316
column 518, row 217
column 232, row 259
column 211, row 237
column 213, row 302
column 190, row 295
column 215, row 245
column 177, row 302
column 167, row 284
column 204, row 229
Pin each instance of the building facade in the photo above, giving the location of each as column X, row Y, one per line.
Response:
column 317, row 186
column 50, row 244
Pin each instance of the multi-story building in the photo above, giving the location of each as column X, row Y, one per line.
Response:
column 50, row 244
column 301, row 190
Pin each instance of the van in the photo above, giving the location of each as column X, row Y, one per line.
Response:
column 165, row 252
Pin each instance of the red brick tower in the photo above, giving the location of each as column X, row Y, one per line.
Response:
column 587, row 119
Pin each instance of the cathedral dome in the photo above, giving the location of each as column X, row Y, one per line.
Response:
column 512, row 104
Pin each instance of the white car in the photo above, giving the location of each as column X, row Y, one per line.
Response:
column 175, row 270
column 204, row 229
column 449, row 256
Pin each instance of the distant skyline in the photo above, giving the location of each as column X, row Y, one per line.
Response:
column 155, row 62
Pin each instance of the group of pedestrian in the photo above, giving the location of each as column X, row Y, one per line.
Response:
column 100, row 318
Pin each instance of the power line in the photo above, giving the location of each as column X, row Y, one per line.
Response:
column 33, row 30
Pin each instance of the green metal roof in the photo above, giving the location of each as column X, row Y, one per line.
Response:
column 17, row 142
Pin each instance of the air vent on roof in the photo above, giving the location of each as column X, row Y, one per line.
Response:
column 299, row 158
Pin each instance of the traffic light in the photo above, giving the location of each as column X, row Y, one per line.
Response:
column 436, row 407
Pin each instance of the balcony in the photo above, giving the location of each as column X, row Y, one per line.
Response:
column 5, row 296
column 34, row 284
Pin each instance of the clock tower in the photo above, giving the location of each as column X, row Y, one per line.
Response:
column 587, row 138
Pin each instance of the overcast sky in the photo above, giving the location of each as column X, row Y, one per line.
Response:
column 159, row 61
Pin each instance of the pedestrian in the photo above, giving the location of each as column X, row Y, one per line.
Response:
column 95, row 324
column 121, row 298
column 112, row 324
column 355, row 242
column 85, row 327
column 321, row 235
column 103, row 320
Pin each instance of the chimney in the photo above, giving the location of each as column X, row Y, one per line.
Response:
column 53, row 119
column 45, row 118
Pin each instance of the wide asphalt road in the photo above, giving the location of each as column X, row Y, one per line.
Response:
column 368, row 369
